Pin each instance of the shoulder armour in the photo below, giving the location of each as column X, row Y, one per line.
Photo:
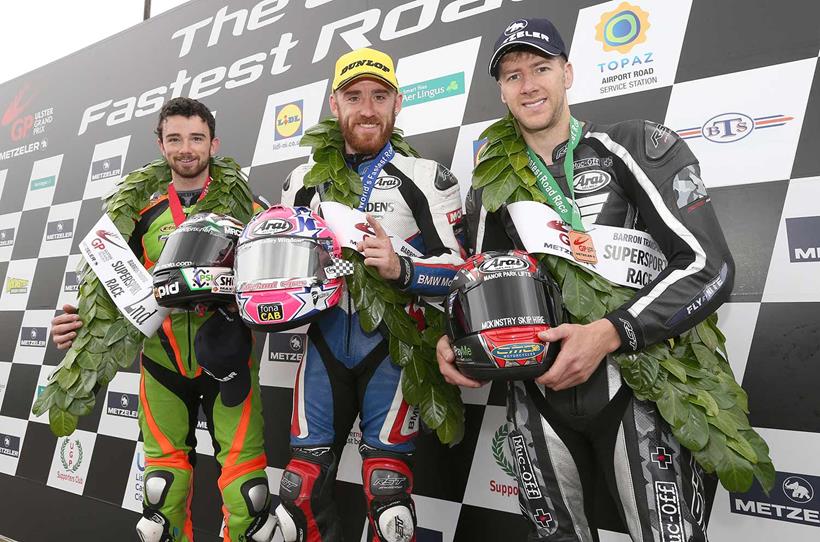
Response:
column 444, row 179
column 658, row 139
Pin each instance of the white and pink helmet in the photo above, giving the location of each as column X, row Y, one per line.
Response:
column 288, row 268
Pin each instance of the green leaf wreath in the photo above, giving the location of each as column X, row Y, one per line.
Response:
column 688, row 377
column 378, row 302
column 107, row 341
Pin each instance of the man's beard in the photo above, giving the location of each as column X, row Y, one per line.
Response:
column 188, row 174
column 366, row 144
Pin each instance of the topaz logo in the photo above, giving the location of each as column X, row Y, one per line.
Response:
column 288, row 120
column 590, row 181
column 803, row 234
column 504, row 263
column 622, row 29
column 273, row 226
column 517, row 26
column 798, row 489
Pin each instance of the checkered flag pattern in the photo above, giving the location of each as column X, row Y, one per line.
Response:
column 737, row 79
column 340, row 268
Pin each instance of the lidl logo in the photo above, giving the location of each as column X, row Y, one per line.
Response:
column 731, row 127
column 288, row 120
column 44, row 182
column 433, row 89
column 622, row 29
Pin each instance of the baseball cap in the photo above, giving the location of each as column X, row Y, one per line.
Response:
column 223, row 347
column 364, row 63
column 539, row 34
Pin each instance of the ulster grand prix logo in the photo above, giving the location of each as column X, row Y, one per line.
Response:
column 622, row 29
column 71, row 454
column 14, row 115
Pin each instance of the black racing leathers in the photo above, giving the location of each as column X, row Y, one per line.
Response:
column 635, row 175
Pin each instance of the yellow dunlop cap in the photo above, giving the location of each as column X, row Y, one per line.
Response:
column 364, row 62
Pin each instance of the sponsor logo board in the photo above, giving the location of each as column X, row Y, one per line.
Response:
column 793, row 499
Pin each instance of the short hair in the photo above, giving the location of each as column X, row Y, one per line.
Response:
column 186, row 107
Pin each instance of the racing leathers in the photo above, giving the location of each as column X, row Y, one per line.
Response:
column 348, row 371
column 636, row 175
column 173, row 388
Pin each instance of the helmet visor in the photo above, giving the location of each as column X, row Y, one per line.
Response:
column 187, row 248
column 276, row 258
column 499, row 302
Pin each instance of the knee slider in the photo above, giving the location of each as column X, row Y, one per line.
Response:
column 153, row 527
column 257, row 500
column 388, row 485
column 156, row 486
column 307, row 481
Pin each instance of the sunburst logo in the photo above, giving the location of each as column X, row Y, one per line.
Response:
column 623, row 28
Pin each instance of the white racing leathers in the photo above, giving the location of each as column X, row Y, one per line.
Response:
column 572, row 446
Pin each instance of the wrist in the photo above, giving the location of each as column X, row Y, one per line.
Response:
column 610, row 337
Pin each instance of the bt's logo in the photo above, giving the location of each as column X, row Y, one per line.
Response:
column 14, row 116
column 288, row 119
column 623, row 28
column 731, row 127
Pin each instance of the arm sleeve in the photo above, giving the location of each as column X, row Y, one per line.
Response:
column 662, row 177
column 438, row 215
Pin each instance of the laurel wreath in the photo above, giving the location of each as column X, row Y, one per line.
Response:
column 497, row 447
column 378, row 302
column 108, row 342
column 79, row 456
column 688, row 377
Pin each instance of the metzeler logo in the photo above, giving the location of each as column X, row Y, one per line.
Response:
column 60, row 229
column 72, row 282
column 33, row 336
column 433, row 89
column 16, row 286
column 6, row 237
column 517, row 26
column 804, row 239
column 9, row 445
column 731, row 127
column 286, row 347
column 288, row 118
column 122, row 404
column 794, row 499
column 43, row 182
column 105, row 168
column 622, row 29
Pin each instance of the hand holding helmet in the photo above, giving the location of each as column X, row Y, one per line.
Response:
column 498, row 304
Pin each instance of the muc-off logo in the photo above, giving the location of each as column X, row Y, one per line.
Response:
column 387, row 183
column 270, row 312
column 667, row 501
column 9, row 445
column 804, row 239
column 122, row 404
column 503, row 263
column 273, row 226
column 793, row 499
column 526, row 474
